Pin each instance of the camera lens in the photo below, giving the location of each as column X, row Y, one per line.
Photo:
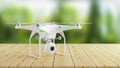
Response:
column 52, row 48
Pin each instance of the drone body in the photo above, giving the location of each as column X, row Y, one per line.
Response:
column 47, row 32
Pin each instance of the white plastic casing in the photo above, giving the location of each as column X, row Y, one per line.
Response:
column 48, row 47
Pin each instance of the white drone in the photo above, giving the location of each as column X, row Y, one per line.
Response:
column 47, row 32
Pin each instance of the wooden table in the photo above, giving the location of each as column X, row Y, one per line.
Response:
column 78, row 55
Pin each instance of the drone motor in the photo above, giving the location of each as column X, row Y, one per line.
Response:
column 18, row 25
column 37, row 25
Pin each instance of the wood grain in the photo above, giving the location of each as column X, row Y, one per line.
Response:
column 65, row 60
column 78, row 55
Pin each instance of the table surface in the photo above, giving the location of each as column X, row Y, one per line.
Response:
column 78, row 55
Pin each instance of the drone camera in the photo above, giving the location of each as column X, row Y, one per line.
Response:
column 50, row 47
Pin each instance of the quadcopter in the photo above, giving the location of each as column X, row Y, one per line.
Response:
column 47, row 32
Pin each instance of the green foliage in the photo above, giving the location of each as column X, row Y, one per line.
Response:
column 94, row 29
column 12, row 15
column 67, row 14
column 109, row 35
column 102, row 29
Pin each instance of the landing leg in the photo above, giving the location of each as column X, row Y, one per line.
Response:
column 30, row 47
column 62, row 34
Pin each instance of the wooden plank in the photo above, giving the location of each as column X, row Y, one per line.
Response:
column 4, row 48
column 6, row 52
column 114, row 57
column 99, row 59
column 79, row 56
column 22, row 54
column 113, row 47
column 26, row 63
column 46, row 60
column 20, row 58
column 65, row 60
column 7, row 60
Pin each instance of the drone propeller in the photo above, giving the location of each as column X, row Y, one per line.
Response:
column 20, row 23
column 38, row 24
column 84, row 23
column 70, row 23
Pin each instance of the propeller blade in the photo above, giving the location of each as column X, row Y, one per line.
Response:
column 84, row 23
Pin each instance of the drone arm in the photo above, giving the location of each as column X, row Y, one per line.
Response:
column 77, row 26
column 63, row 28
column 27, row 27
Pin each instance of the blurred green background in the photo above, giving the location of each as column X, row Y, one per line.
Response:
column 103, row 14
